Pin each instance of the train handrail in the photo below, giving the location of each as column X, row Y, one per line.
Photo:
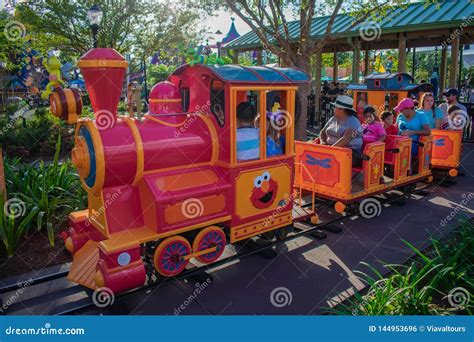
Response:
column 302, row 167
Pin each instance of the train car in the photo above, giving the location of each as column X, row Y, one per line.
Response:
column 169, row 188
column 446, row 156
column 327, row 170
column 385, row 90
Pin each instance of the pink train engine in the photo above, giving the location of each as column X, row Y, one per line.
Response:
column 169, row 188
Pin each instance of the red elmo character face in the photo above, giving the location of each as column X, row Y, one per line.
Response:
column 264, row 191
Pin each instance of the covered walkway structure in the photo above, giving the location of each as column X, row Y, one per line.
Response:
column 446, row 24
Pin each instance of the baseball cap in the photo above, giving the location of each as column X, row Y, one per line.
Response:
column 404, row 104
column 451, row 91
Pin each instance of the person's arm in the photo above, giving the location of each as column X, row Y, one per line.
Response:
column 349, row 134
column 323, row 137
column 425, row 131
column 438, row 123
column 383, row 137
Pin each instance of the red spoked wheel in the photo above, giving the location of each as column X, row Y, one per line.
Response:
column 208, row 238
column 170, row 256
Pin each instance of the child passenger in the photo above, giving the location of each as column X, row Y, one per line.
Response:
column 275, row 140
column 373, row 129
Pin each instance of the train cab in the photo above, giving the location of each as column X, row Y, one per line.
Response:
column 261, row 176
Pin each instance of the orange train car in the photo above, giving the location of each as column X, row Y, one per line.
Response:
column 384, row 91
column 446, row 151
column 327, row 171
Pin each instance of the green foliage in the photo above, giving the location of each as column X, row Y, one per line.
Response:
column 51, row 190
column 138, row 27
column 13, row 228
column 421, row 287
column 35, row 137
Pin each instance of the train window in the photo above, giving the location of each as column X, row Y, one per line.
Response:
column 393, row 101
column 217, row 102
column 263, row 131
column 248, row 120
column 376, row 83
column 278, row 121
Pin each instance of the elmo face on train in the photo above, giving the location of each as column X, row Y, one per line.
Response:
column 197, row 172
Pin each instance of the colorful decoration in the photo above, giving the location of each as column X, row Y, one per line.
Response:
column 264, row 191
column 53, row 67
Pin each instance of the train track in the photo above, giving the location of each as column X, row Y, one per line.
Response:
column 250, row 247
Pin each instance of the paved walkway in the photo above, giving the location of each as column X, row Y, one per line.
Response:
column 308, row 276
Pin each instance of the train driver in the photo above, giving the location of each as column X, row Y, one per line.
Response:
column 248, row 136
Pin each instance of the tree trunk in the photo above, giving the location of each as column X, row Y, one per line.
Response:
column 301, row 117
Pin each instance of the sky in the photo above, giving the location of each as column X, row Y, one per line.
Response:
column 221, row 21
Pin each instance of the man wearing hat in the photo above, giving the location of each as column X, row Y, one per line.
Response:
column 451, row 100
column 344, row 128
column 452, row 96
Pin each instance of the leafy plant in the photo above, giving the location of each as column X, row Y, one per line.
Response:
column 422, row 287
column 54, row 189
column 12, row 226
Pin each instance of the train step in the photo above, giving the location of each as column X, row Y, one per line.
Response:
column 83, row 265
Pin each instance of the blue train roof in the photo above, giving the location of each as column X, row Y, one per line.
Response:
column 357, row 87
column 386, row 75
column 252, row 74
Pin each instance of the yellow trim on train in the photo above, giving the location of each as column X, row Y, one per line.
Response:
column 132, row 124
column 102, row 63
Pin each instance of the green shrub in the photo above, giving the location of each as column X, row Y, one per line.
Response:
column 36, row 138
column 53, row 189
column 13, row 224
column 424, row 286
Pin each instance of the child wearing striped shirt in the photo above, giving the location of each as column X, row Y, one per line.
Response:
column 248, row 137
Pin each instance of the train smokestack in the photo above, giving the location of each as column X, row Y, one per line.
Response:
column 104, row 72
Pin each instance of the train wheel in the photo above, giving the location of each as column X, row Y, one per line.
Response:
column 453, row 172
column 281, row 234
column 208, row 238
column 169, row 258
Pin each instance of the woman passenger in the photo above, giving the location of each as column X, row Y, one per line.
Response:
column 411, row 123
column 344, row 129
column 433, row 113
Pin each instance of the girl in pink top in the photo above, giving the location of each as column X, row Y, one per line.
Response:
column 373, row 129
